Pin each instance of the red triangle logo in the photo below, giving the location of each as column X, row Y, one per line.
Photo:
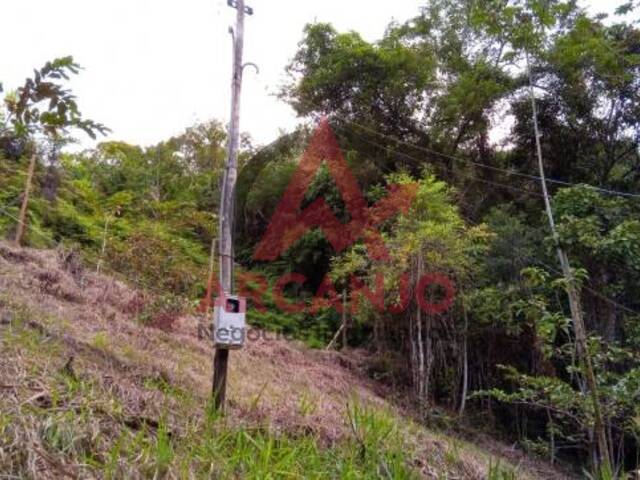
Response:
column 289, row 223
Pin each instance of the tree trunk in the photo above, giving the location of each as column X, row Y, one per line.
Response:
column 552, row 438
column 104, row 244
column 465, row 364
column 22, row 218
column 344, row 319
column 420, row 343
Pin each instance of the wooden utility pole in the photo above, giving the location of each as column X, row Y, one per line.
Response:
column 212, row 257
column 574, row 299
column 227, row 200
column 22, row 218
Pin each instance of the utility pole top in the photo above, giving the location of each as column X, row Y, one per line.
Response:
column 234, row 4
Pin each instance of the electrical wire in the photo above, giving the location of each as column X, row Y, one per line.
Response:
column 532, row 178
column 488, row 167
column 558, row 272
column 419, row 161
column 526, row 177
column 589, row 289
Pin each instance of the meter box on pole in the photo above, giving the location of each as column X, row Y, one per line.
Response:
column 229, row 325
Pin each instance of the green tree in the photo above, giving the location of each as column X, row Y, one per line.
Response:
column 24, row 118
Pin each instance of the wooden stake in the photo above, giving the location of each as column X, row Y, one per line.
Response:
column 335, row 337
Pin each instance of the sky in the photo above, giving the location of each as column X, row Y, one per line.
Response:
column 151, row 68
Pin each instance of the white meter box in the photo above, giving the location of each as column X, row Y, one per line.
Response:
column 229, row 326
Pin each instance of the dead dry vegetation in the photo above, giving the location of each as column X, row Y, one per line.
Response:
column 88, row 391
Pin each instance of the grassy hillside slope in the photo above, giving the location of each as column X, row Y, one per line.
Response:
column 88, row 391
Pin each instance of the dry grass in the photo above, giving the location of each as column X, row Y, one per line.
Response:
column 86, row 390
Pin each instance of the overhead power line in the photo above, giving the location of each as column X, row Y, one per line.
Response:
column 488, row 167
column 473, row 177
